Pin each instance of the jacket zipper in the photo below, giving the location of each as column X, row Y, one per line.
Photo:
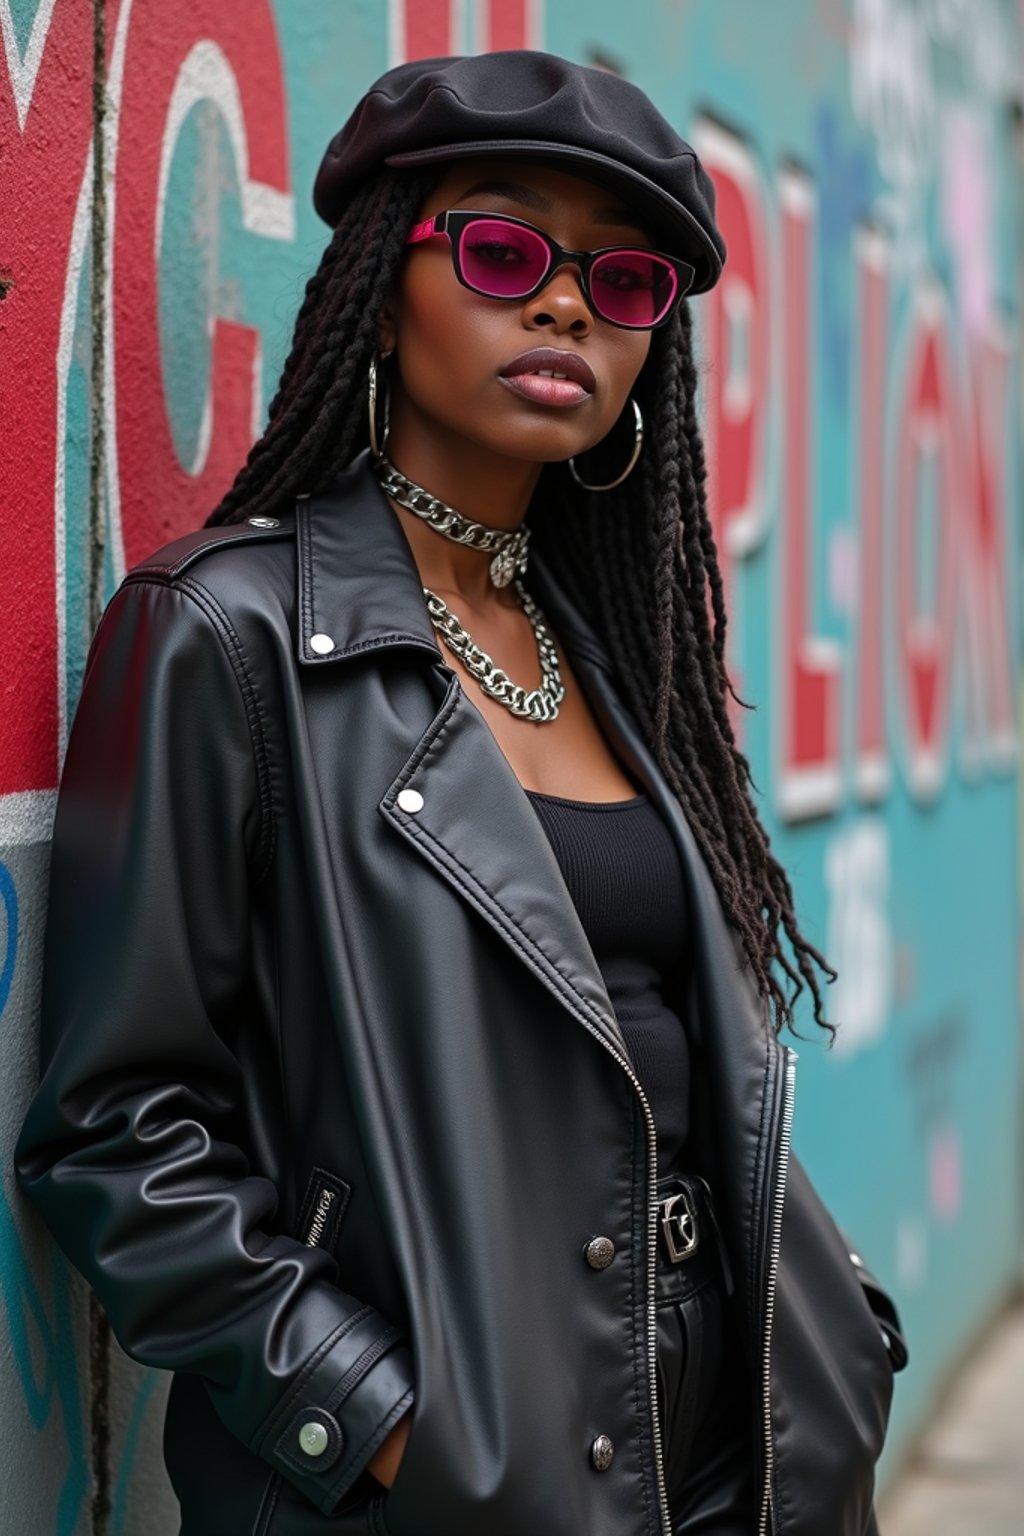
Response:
column 778, row 1197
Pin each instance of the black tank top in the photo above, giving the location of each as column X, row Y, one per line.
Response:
column 622, row 869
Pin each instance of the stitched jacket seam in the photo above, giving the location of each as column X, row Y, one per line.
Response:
column 307, row 594
column 359, row 1368
column 254, row 713
column 231, row 646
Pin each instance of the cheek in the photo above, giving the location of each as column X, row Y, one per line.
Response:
column 439, row 342
column 628, row 360
column 635, row 355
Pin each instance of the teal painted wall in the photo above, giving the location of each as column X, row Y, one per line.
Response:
column 861, row 378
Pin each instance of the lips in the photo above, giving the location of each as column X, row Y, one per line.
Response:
column 550, row 376
column 552, row 361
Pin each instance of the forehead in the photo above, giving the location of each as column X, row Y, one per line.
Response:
column 536, row 185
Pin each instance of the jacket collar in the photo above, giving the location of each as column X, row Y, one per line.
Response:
column 358, row 582
column 359, row 586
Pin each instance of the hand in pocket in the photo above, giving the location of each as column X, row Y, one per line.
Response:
column 387, row 1458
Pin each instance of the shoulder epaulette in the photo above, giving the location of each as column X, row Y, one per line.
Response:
column 180, row 553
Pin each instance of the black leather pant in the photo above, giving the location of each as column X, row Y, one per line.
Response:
column 703, row 1396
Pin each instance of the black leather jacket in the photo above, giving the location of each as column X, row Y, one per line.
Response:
column 334, row 1095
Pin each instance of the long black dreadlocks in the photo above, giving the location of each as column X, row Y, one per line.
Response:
column 638, row 561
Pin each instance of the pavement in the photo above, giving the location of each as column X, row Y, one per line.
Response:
column 966, row 1475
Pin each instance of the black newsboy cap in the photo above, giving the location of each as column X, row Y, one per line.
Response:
column 532, row 105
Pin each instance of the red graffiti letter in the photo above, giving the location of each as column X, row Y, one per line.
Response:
column 872, row 261
column 508, row 24
column 927, row 461
column 423, row 29
column 175, row 56
column 45, row 134
column 736, row 345
column 809, row 693
column 990, row 696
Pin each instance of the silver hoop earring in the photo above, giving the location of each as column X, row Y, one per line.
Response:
column 377, row 449
column 637, row 445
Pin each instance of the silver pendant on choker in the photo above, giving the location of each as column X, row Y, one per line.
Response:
column 509, row 548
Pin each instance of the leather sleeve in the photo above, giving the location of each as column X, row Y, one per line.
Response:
column 129, row 1149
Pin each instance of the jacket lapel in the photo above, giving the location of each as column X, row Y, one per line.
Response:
column 477, row 828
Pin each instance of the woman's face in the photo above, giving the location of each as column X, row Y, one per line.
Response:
column 453, row 345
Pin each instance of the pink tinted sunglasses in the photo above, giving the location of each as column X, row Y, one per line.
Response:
column 507, row 258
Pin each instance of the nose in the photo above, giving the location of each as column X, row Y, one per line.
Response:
column 561, row 303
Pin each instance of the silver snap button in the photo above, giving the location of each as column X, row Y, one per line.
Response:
column 410, row 800
column 856, row 1259
column 264, row 522
column 601, row 1453
column 599, row 1252
column 313, row 1438
column 886, row 1339
column 322, row 644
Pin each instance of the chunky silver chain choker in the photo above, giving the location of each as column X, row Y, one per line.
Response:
column 538, row 704
column 510, row 546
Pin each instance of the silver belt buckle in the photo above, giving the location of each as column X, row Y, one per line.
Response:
column 679, row 1225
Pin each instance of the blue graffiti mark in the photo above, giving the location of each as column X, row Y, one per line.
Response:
column 9, row 901
column 44, row 1349
column 56, row 1354
column 119, row 1504
column 845, row 186
column 26, row 1309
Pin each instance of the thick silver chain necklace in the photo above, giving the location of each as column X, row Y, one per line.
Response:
column 538, row 704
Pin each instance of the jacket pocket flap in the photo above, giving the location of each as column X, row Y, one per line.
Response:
column 884, row 1308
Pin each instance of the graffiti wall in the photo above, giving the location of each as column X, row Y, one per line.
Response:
column 860, row 375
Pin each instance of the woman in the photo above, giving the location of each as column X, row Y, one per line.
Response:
column 409, row 1087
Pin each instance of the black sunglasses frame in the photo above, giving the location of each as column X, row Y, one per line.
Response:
column 453, row 221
